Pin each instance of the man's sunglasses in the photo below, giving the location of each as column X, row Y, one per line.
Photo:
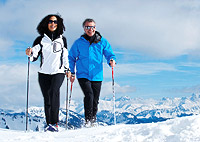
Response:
column 89, row 27
column 51, row 21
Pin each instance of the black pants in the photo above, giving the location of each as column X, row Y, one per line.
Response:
column 50, row 87
column 91, row 90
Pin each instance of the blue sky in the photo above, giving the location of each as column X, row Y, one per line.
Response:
column 157, row 44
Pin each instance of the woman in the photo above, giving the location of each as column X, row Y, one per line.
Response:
column 51, row 46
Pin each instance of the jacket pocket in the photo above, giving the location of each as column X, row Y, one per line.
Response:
column 57, row 47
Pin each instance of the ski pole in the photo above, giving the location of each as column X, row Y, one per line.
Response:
column 27, row 93
column 67, row 101
column 113, row 90
column 70, row 96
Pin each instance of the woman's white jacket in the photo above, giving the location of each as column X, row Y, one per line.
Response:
column 54, row 56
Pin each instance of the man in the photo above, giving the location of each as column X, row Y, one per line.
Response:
column 86, row 54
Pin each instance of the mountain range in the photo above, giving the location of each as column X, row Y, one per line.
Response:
column 128, row 111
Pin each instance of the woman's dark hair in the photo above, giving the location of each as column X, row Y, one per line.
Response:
column 43, row 25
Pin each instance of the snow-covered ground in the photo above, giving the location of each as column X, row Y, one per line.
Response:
column 185, row 129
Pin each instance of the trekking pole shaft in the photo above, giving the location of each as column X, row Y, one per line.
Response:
column 27, row 94
column 70, row 96
column 67, row 102
column 113, row 89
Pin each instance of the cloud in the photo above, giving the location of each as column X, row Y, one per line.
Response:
column 185, row 90
column 158, row 29
column 162, row 29
column 191, row 64
column 13, row 87
column 6, row 47
column 133, row 69
column 119, row 90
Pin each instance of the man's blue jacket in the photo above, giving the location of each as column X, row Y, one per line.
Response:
column 88, row 58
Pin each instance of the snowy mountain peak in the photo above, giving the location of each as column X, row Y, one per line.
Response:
column 124, row 98
column 107, row 99
column 165, row 99
column 195, row 97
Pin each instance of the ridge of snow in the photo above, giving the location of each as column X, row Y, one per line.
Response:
column 186, row 129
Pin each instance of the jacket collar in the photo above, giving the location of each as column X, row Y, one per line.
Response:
column 46, row 36
column 94, row 39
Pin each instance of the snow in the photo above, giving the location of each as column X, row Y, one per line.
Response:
column 184, row 129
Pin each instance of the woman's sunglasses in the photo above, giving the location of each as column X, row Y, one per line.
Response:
column 51, row 21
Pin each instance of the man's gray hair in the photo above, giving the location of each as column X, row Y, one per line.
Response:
column 88, row 20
